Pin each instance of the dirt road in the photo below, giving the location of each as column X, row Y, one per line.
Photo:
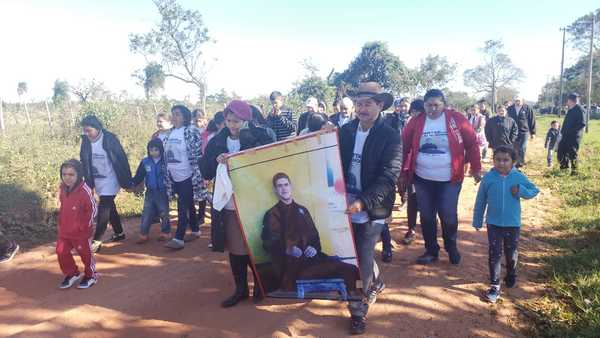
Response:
column 148, row 291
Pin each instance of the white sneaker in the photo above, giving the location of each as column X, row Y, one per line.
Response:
column 87, row 283
column 70, row 281
column 175, row 244
column 192, row 236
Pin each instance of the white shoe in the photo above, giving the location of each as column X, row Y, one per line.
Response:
column 70, row 281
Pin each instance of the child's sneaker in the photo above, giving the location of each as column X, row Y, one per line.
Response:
column 493, row 294
column 192, row 236
column 117, row 237
column 510, row 281
column 69, row 281
column 374, row 291
column 87, row 283
column 10, row 252
column 96, row 246
column 409, row 237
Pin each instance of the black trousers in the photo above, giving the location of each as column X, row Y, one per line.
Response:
column 412, row 210
column 567, row 153
column 107, row 212
column 503, row 239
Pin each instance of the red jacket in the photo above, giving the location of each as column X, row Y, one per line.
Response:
column 77, row 212
column 462, row 141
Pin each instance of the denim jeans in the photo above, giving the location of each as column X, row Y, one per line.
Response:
column 499, row 238
column 386, row 239
column 549, row 156
column 411, row 211
column 438, row 199
column 521, row 147
column 366, row 236
column 156, row 203
column 185, row 201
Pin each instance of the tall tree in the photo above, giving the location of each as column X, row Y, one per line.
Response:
column 435, row 71
column 312, row 85
column 151, row 78
column 22, row 90
column 60, row 92
column 496, row 71
column 176, row 44
column 581, row 29
column 376, row 63
column 90, row 90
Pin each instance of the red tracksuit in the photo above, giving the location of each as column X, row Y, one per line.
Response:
column 75, row 221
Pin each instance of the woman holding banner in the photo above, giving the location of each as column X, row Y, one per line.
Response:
column 239, row 134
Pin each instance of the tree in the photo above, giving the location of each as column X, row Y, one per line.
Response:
column 497, row 71
column 151, row 78
column 90, row 90
column 580, row 31
column 433, row 72
column 60, row 92
column 22, row 90
column 503, row 94
column 310, row 85
column 376, row 63
column 459, row 100
column 176, row 44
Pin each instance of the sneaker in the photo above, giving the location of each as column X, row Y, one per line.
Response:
column 210, row 245
column 386, row 257
column 510, row 281
column 96, row 246
column 454, row 257
column 11, row 251
column 87, row 283
column 374, row 291
column 426, row 259
column 493, row 294
column 175, row 244
column 358, row 325
column 409, row 237
column 192, row 236
column 70, row 281
column 117, row 237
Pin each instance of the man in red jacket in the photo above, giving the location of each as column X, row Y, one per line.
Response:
column 75, row 221
column 437, row 144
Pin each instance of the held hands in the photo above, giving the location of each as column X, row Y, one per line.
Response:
column 222, row 159
column 477, row 177
column 356, row 207
column 515, row 191
column 294, row 251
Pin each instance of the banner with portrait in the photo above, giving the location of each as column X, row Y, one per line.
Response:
column 291, row 200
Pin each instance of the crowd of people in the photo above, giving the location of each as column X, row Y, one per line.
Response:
column 421, row 151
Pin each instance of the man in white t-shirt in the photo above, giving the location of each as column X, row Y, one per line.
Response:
column 371, row 159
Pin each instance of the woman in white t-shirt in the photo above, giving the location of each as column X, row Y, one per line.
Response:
column 183, row 151
column 106, row 170
column 436, row 146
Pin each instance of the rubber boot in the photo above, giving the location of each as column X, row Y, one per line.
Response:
column 239, row 269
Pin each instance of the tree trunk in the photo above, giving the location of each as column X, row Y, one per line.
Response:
column 2, row 125
column 155, row 110
column 139, row 117
column 49, row 115
column 27, row 113
column 71, row 113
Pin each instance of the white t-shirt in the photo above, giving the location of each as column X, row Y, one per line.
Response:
column 178, row 163
column 434, row 160
column 105, row 178
column 233, row 146
column 354, row 185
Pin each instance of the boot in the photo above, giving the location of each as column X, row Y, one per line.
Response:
column 239, row 269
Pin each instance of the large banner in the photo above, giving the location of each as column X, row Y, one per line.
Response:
column 291, row 198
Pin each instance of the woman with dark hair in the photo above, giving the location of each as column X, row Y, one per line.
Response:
column 213, row 128
column 259, row 120
column 436, row 145
column 183, row 150
column 106, row 170
column 239, row 134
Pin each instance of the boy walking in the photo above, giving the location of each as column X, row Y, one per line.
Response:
column 500, row 193
column 552, row 139
column 75, row 221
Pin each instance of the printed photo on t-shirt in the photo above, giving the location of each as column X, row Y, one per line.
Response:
column 99, row 166
column 174, row 153
column 434, row 143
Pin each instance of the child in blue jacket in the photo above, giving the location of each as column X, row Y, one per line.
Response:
column 500, row 193
column 156, row 200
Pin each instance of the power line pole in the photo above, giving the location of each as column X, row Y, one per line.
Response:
column 589, row 96
column 562, row 64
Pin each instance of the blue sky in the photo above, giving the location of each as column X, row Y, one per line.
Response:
column 260, row 44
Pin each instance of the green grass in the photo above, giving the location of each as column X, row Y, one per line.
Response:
column 30, row 159
column 571, row 308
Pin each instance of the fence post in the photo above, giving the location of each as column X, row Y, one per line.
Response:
column 49, row 115
column 2, row 125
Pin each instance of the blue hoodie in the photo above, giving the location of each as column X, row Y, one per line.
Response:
column 503, row 209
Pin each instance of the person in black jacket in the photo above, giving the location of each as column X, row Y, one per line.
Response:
column 525, row 118
column 572, row 132
column 312, row 106
column 552, row 139
column 345, row 114
column 225, row 228
column 106, row 170
column 501, row 130
column 371, row 161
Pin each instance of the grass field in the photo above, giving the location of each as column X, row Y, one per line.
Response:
column 571, row 307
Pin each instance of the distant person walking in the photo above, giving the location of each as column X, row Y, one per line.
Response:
column 572, row 133
column 525, row 118
column 501, row 130
column 106, row 169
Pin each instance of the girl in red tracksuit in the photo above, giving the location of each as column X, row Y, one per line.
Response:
column 75, row 221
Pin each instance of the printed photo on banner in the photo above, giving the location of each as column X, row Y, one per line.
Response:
column 291, row 199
